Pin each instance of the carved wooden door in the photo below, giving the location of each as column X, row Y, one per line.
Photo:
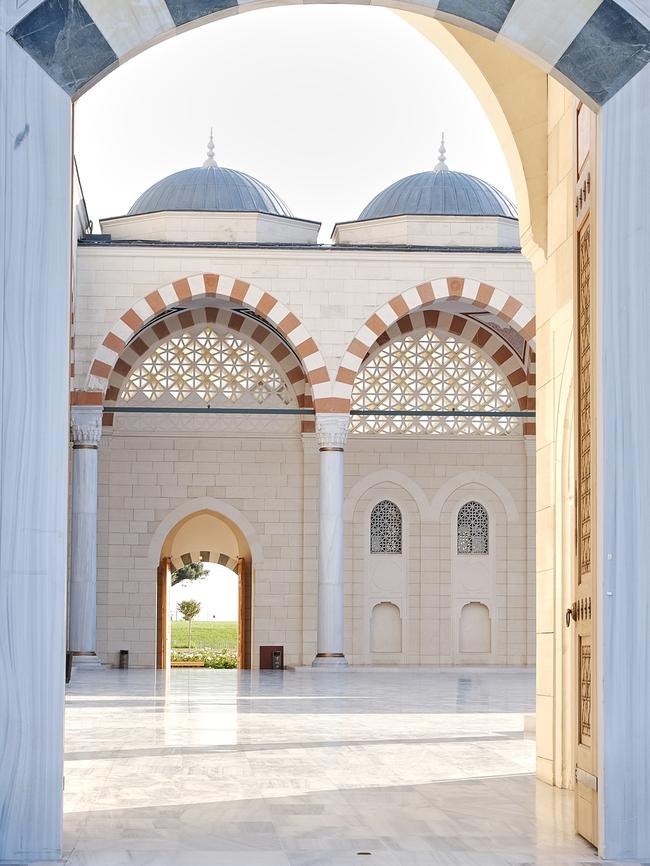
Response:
column 583, row 611
column 241, row 630
column 162, row 618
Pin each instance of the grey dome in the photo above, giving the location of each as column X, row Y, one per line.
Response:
column 210, row 188
column 439, row 193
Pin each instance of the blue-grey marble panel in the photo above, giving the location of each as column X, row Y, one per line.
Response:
column 35, row 244
column 183, row 11
column 624, row 471
column 609, row 50
column 64, row 40
column 487, row 13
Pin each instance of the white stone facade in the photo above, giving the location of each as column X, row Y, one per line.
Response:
column 333, row 291
column 268, row 472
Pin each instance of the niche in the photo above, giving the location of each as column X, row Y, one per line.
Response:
column 474, row 629
column 385, row 628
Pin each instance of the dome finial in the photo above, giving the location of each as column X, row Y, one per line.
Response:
column 442, row 158
column 210, row 161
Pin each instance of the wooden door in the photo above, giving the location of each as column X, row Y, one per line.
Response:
column 161, row 614
column 241, row 623
column 583, row 611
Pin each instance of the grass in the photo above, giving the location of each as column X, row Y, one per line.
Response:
column 209, row 634
column 209, row 658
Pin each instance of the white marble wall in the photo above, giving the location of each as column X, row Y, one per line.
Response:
column 35, row 119
column 624, row 462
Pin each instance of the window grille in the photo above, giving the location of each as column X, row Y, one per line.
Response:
column 472, row 529
column 431, row 372
column 386, row 528
column 205, row 367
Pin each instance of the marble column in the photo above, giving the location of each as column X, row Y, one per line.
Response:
column 623, row 471
column 35, row 246
column 332, row 434
column 86, row 428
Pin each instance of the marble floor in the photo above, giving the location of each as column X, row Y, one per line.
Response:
column 309, row 768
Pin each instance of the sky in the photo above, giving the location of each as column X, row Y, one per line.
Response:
column 218, row 594
column 327, row 105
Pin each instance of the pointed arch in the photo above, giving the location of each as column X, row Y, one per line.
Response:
column 212, row 286
column 509, row 309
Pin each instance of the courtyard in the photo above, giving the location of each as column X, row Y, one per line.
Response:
column 238, row 768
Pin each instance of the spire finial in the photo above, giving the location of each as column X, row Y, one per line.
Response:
column 210, row 161
column 442, row 158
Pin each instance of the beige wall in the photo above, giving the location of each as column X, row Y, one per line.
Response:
column 429, row 478
column 271, row 483
column 555, row 362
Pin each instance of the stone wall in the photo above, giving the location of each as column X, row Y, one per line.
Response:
column 272, row 483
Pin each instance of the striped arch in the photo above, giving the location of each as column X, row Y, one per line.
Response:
column 489, row 343
column 212, row 286
column 194, row 556
column 401, row 308
column 258, row 333
column 594, row 48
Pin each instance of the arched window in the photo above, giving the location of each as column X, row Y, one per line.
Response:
column 436, row 373
column 205, row 366
column 472, row 529
column 386, row 528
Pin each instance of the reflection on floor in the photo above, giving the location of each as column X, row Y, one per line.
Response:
column 220, row 768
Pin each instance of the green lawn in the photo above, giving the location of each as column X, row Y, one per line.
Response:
column 210, row 634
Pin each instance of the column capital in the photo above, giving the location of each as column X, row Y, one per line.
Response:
column 85, row 426
column 332, row 430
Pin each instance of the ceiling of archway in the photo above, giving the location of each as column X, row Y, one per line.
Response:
column 595, row 50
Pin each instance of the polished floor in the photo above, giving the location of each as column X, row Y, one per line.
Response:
column 388, row 767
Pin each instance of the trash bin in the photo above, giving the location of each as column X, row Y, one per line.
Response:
column 124, row 659
column 68, row 667
column 271, row 658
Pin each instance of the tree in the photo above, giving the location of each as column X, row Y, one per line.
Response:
column 189, row 609
column 193, row 571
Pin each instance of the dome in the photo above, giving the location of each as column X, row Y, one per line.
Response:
column 210, row 188
column 440, row 192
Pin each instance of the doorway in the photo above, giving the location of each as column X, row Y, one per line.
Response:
column 222, row 617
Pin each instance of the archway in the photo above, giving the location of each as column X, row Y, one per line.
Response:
column 396, row 316
column 207, row 536
column 599, row 56
column 77, row 47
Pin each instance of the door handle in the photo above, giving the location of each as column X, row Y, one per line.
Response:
column 571, row 614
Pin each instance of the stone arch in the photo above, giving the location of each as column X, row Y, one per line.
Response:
column 214, row 556
column 475, row 477
column 194, row 506
column 594, row 52
column 515, row 369
column 212, row 286
column 383, row 476
column 512, row 311
column 153, row 336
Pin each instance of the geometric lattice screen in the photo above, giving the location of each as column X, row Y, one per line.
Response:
column 208, row 367
column 386, row 528
column 472, row 529
column 431, row 372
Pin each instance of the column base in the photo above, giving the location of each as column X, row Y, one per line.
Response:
column 329, row 660
column 86, row 662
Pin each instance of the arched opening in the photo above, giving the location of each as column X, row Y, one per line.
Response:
column 475, row 631
column 224, row 619
column 564, row 66
column 385, row 628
